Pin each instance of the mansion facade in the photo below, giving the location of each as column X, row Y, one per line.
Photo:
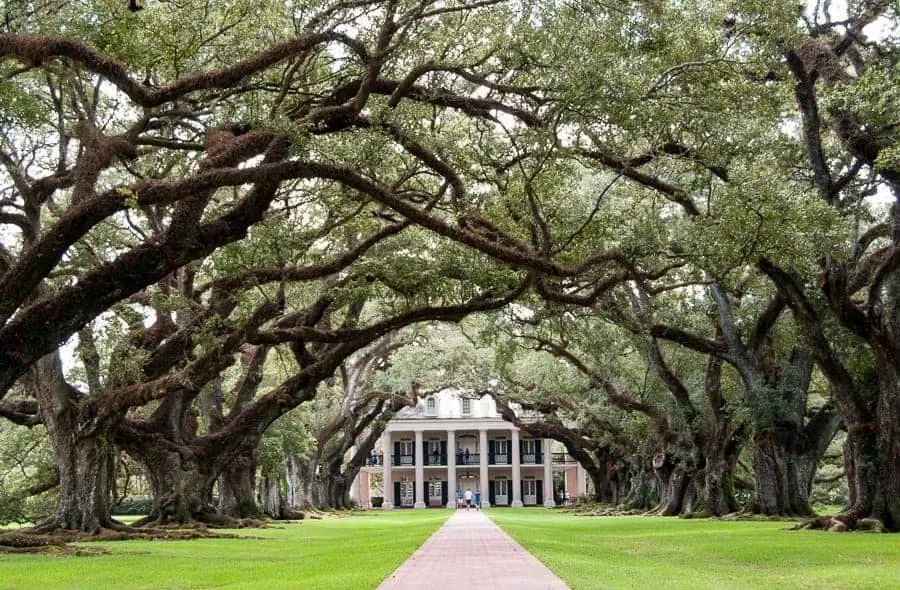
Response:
column 450, row 444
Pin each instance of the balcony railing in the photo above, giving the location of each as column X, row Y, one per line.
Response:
column 470, row 459
column 374, row 460
column 499, row 459
column 562, row 458
column 532, row 458
column 403, row 460
column 439, row 459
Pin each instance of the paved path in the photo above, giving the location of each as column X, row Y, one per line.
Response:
column 471, row 552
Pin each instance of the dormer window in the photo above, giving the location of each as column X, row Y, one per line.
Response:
column 430, row 407
column 466, row 406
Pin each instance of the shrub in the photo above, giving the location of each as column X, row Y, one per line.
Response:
column 133, row 506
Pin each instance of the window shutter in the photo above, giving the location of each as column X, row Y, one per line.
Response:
column 491, row 452
column 444, row 490
column 396, row 501
column 396, row 460
column 540, row 492
column 491, row 494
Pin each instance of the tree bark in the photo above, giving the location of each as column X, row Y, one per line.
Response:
column 644, row 491
column 780, row 477
column 292, row 478
column 674, row 480
column 716, row 484
column 237, row 485
column 271, row 500
column 83, row 452
column 181, row 494
column 887, row 501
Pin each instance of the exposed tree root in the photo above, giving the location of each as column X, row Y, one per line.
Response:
column 47, row 538
column 599, row 509
column 25, row 542
column 842, row 523
column 757, row 517
column 198, row 521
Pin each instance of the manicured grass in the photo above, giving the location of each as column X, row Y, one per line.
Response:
column 351, row 552
column 671, row 553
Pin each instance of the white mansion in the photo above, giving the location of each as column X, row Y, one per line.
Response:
column 450, row 443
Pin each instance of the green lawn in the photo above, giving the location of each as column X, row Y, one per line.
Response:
column 351, row 552
column 670, row 553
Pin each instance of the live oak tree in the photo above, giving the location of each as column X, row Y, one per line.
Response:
column 788, row 435
column 345, row 422
column 549, row 399
column 842, row 74
column 119, row 141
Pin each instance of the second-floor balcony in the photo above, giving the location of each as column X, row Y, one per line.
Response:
column 500, row 459
column 403, row 460
column 563, row 458
column 532, row 458
column 524, row 459
column 468, row 458
column 435, row 459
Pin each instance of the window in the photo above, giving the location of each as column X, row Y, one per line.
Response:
column 430, row 407
column 501, row 451
column 434, row 489
column 466, row 406
column 407, row 453
column 529, row 450
column 433, row 453
column 529, row 487
column 501, row 487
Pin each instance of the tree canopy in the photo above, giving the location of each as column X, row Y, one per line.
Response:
column 229, row 233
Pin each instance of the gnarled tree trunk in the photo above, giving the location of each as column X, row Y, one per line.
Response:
column 83, row 453
column 181, row 494
column 780, row 483
column 716, row 486
column 887, row 499
column 674, row 481
column 644, row 493
column 237, row 487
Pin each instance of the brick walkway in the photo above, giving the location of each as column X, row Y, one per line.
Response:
column 471, row 552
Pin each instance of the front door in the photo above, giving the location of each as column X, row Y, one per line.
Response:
column 407, row 493
column 435, row 493
column 467, row 482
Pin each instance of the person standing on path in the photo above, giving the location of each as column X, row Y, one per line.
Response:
column 477, row 500
column 468, row 499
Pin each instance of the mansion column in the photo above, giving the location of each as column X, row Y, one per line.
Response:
column 483, row 485
column 386, row 465
column 420, row 471
column 548, row 473
column 516, row 471
column 451, row 469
